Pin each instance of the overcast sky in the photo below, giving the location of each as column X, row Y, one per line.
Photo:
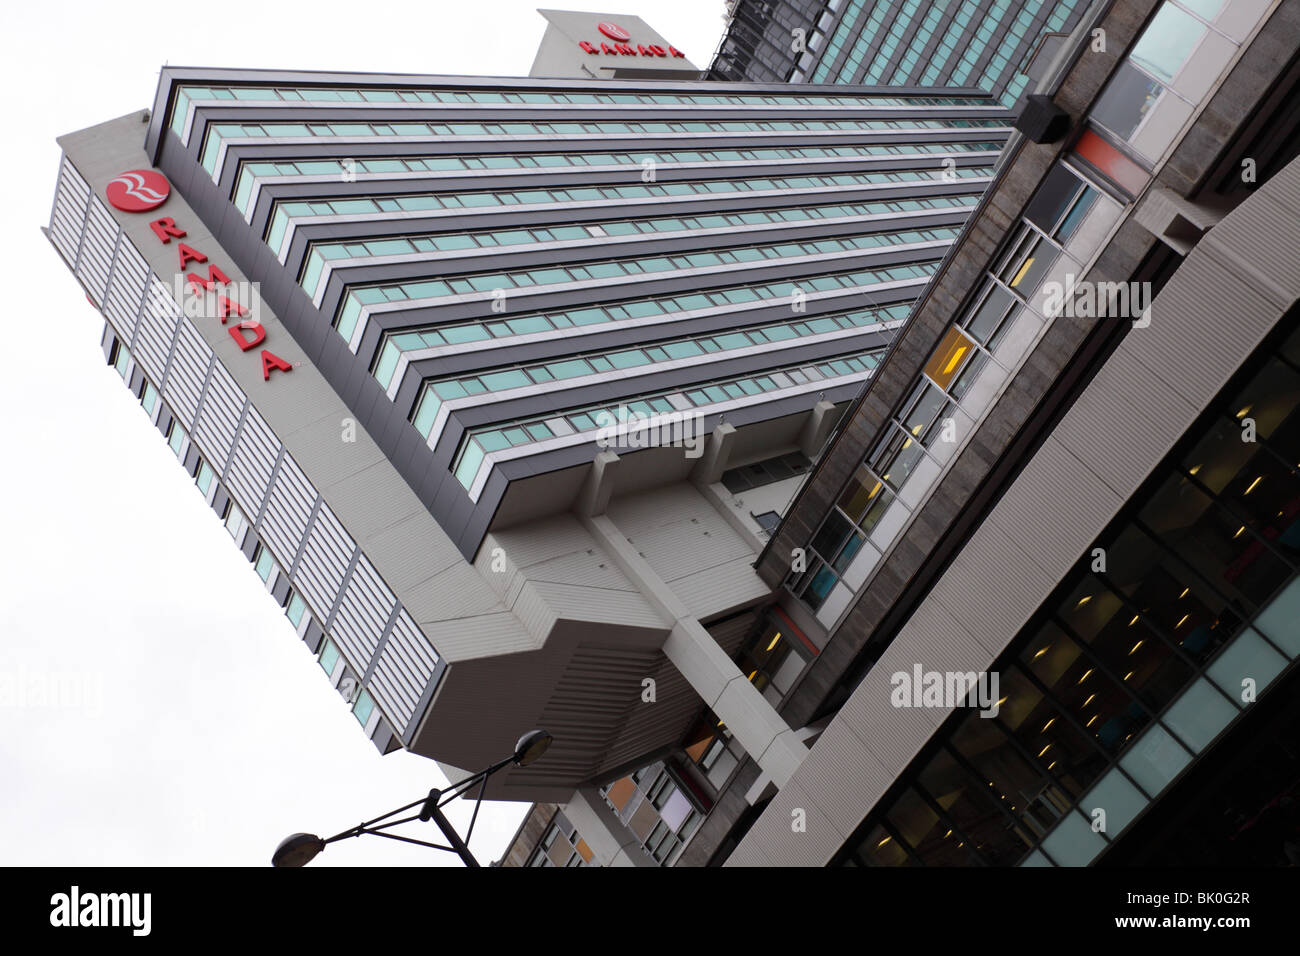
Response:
column 156, row 707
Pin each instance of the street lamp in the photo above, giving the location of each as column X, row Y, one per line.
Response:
column 301, row 848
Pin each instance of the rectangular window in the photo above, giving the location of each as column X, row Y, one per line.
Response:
column 329, row 657
column 264, row 562
column 363, row 707
column 297, row 606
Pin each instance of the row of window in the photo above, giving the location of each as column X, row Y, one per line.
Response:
column 1058, row 208
column 187, row 95
column 948, row 45
column 918, row 42
column 890, row 40
column 477, row 331
column 432, row 244
column 251, row 171
column 264, row 563
column 349, row 311
column 842, row 32
column 477, row 444
column 1134, row 667
column 595, row 363
column 420, row 202
column 218, row 133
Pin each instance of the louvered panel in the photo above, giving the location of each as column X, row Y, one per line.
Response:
column 126, row 289
column 288, row 510
column 219, row 417
column 189, row 367
column 325, row 558
column 68, row 217
column 153, row 341
column 404, row 670
column 363, row 613
column 253, row 462
column 96, row 259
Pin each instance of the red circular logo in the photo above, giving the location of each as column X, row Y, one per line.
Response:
column 138, row 190
column 614, row 32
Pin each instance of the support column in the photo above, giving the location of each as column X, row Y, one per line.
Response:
column 696, row 655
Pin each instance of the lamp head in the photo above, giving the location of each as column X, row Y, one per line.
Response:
column 531, row 746
column 297, row 850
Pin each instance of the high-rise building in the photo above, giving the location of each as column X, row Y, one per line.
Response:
column 499, row 383
column 1074, row 483
column 983, row 44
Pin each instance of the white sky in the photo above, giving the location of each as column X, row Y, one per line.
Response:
column 199, row 730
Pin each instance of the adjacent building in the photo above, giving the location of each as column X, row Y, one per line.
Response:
column 985, row 44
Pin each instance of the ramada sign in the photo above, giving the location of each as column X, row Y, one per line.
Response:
column 140, row 190
column 622, row 48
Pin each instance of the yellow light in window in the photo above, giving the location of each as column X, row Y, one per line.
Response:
column 774, row 641
column 1181, row 620
column 1044, row 750
column 1245, row 411
column 948, row 834
column 1048, row 724
column 883, row 842
column 1129, row 674
column 1134, row 621
column 1135, row 647
column 956, row 357
column 1090, row 722
column 1088, row 701
column 1051, row 765
column 1239, row 531
column 1082, row 601
column 1002, row 701
column 1194, row 469
column 916, row 430
column 1085, row 675
column 751, row 675
column 1042, row 652
column 876, row 490
column 1252, row 486
column 908, row 443
column 1184, row 594
column 1021, row 274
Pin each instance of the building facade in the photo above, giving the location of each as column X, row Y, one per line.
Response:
column 984, row 44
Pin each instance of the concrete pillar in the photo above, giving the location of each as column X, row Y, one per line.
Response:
column 714, row 676
column 716, row 457
column 593, row 499
column 817, row 428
